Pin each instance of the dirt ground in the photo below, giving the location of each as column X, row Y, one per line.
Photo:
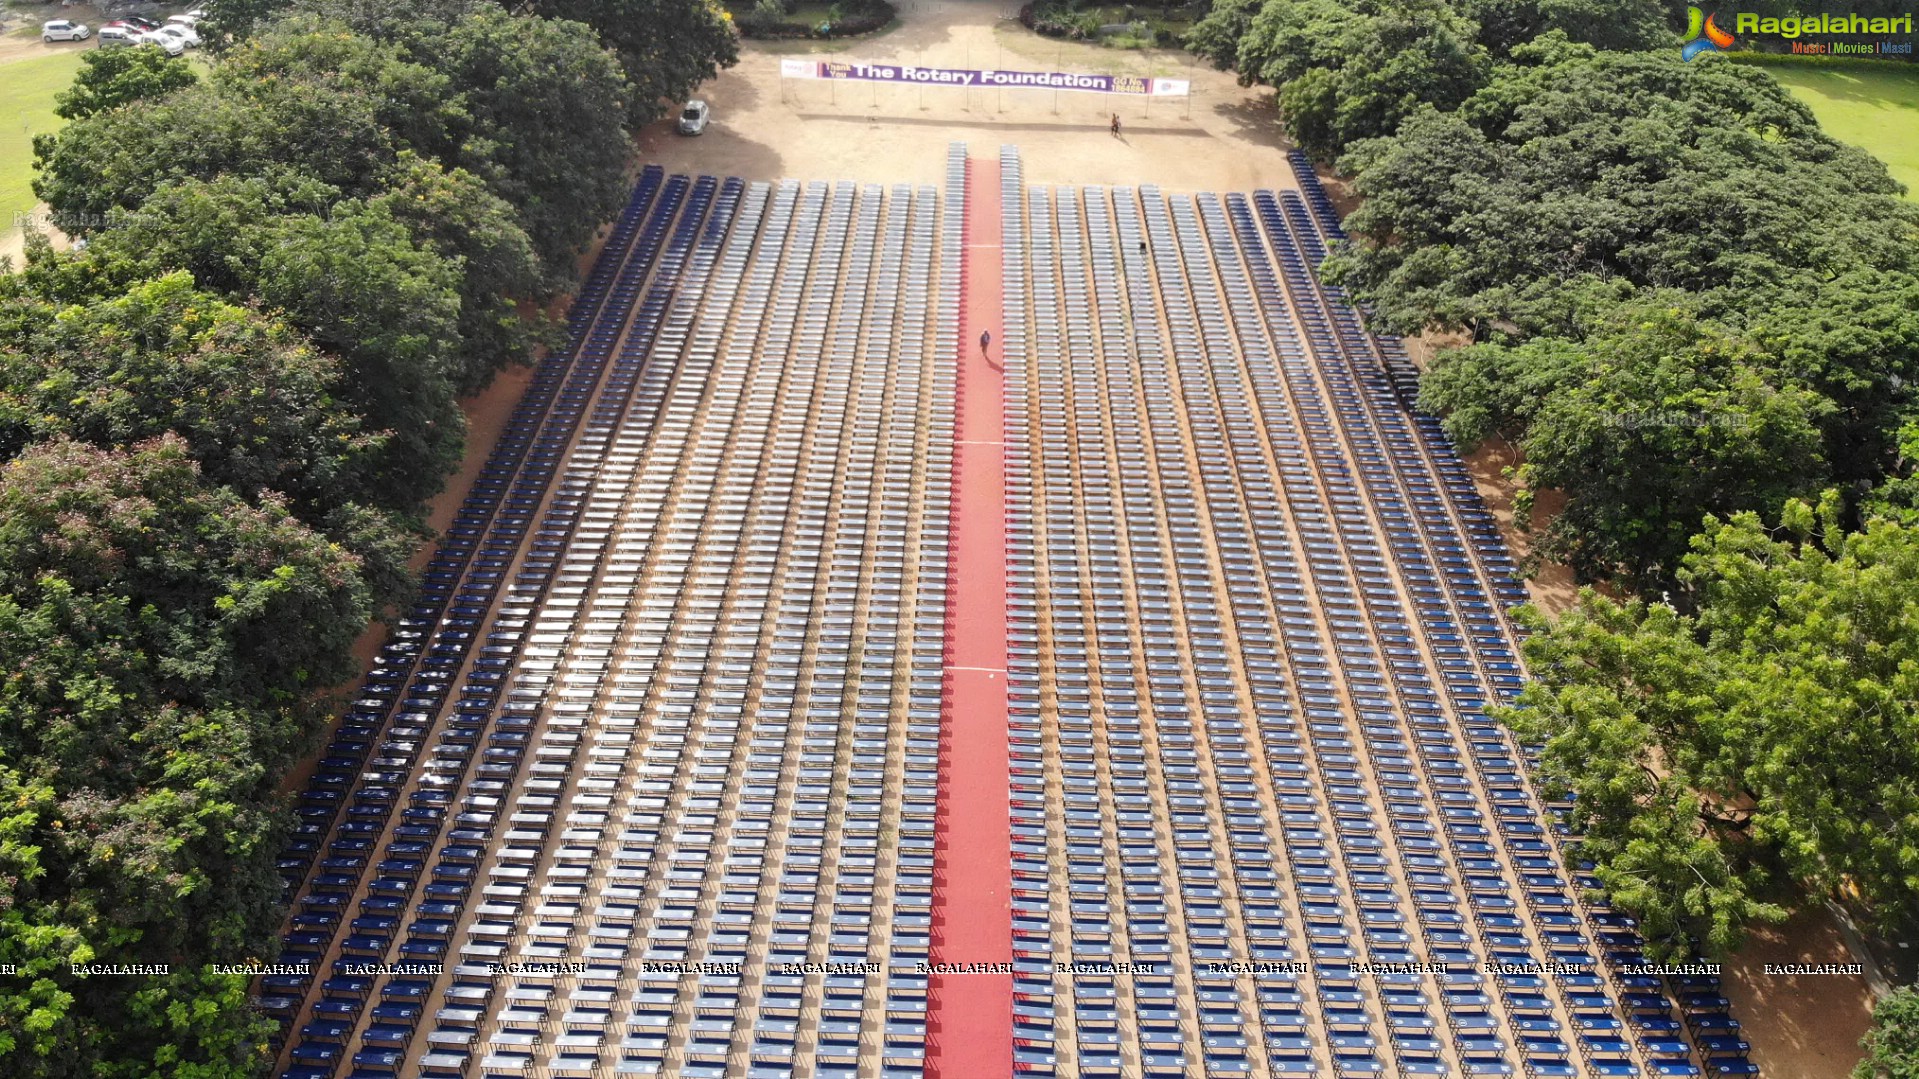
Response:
column 1223, row 139
column 1801, row 1026
column 20, row 28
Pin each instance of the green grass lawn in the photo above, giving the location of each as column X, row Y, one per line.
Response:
column 1866, row 106
column 27, row 89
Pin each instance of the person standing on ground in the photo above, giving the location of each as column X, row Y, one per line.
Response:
column 1116, row 125
column 985, row 338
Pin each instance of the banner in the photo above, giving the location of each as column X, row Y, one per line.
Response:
column 987, row 78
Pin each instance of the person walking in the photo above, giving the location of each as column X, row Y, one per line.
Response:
column 1116, row 125
column 985, row 338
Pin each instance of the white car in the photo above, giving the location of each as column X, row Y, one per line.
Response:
column 183, row 34
column 693, row 118
column 173, row 45
column 64, row 30
column 190, row 20
column 119, row 35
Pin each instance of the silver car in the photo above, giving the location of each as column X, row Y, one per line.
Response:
column 64, row 30
column 693, row 118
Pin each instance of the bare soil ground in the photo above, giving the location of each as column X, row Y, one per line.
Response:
column 20, row 28
column 764, row 127
column 1801, row 1026
column 13, row 241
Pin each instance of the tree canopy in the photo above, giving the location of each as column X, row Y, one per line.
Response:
column 162, row 636
column 1559, row 209
column 1892, row 1046
column 110, row 78
column 1728, row 764
column 1645, row 425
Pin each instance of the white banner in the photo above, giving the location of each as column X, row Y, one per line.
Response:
column 988, row 78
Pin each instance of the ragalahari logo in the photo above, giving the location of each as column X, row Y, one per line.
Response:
column 1702, row 34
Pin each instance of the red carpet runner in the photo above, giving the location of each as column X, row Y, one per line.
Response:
column 970, row 999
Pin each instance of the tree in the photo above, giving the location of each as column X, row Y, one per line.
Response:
column 354, row 280
column 257, row 405
column 1347, row 71
column 545, row 102
column 1614, row 25
column 412, row 100
column 1403, row 57
column 530, row 106
column 273, row 607
column 452, row 213
column 1730, row 764
column 667, row 47
column 1574, row 165
column 105, row 166
column 110, row 78
column 162, row 636
column 1853, row 337
column 1646, row 427
column 1892, row 1045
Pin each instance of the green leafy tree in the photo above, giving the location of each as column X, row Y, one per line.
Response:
column 531, row 106
column 1646, row 426
column 546, row 102
column 107, row 164
column 667, row 47
column 162, row 638
column 1853, row 337
column 354, row 280
column 1347, row 71
column 453, row 214
column 110, row 78
column 1892, row 1045
column 258, row 406
column 1619, row 25
column 1575, row 166
column 413, row 101
column 1728, row 765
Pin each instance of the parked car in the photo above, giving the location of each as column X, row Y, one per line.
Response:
column 183, row 34
column 172, row 45
column 135, row 23
column 118, row 35
column 693, row 118
column 64, row 30
column 188, row 20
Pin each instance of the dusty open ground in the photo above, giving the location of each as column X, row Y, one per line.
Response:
column 1224, row 139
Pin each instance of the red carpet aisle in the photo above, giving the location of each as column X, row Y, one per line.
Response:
column 970, row 1014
